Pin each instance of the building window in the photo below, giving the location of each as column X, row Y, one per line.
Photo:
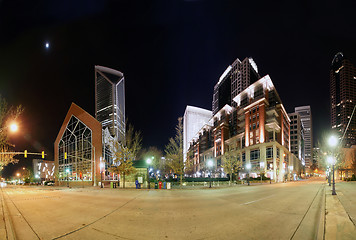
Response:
column 269, row 152
column 251, row 141
column 255, row 154
column 277, row 152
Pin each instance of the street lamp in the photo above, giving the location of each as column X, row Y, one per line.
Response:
column 333, row 141
column 149, row 161
column 102, row 166
column 13, row 127
column 210, row 165
column 262, row 166
column 248, row 167
column 291, row 172
column 67, row 171
column 331, row 161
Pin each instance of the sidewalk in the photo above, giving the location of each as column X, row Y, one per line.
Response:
column 337, row 222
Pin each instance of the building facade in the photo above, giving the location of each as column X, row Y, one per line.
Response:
column 43, row 170
column 78, row 149
column 343, row 98
column 234, row 80
column 256, row 131
column 194, row 119
column 306, row 118
column 297, row 136
column 110, row 100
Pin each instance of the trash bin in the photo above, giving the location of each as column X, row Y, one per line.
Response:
column 168, row 185
column 164, row 185
column 156, row 185
column 111, row 185
column 160, row 184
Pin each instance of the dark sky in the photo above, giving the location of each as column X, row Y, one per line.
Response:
column 172, row 53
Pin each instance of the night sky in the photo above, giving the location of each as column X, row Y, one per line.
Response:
column 172, row 53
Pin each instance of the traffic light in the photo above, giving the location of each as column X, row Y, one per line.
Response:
column 25, row 153
column 43, row 154
column 65, row 155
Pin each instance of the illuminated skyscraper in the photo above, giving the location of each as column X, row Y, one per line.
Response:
column 306, row 118
column 343, row 97
column 110, row 100
column 233, row 81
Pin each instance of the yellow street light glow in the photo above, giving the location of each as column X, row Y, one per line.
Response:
column 14, row 127
column 18, row 174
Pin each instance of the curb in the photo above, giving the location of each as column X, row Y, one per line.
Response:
column 9, row 232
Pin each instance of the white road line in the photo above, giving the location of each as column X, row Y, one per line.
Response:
column 256, row 200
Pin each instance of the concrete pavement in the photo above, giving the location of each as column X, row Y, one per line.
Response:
column 278, row 211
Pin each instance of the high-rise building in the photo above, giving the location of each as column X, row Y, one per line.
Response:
column 233, row 81
column 256, row 132
column 110, row 100
column 343, row 97
column 194, row 119
column 306, row 118
column 297, row 136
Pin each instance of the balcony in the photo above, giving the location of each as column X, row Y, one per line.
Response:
column 272, row 111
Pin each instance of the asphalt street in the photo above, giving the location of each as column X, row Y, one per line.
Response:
column 290, row 210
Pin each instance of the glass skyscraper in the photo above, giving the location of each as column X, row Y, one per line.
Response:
column 110, row 100
column 343, row 98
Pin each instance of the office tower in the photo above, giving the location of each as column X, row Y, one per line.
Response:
column 110, row 100
column 194, row 119
column 343, row 98
column 306, row 118
column 297, row 136
column 234, row 80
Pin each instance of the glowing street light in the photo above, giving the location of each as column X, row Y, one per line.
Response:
column 332, row 141
column 210, row 165
column 102, row 166
column 248, row 167
column 149, row 161
column 14, row 127
column 67, row 171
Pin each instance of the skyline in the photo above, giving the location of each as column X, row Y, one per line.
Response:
column 171, row 54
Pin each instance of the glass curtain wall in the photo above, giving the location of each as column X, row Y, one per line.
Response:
column 76, row 142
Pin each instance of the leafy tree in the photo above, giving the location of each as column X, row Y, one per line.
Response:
column 124, row 153
column 174, row 151
column 123, row 158
column 230, row 163
column 7, row 115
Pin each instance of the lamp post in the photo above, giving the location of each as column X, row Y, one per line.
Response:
column 248, row 167
column 291, row 172
column 262, row 166
column 67, row 171
column 332, row 141
column 102, row 166
column 149, row 161
column 210, row 165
